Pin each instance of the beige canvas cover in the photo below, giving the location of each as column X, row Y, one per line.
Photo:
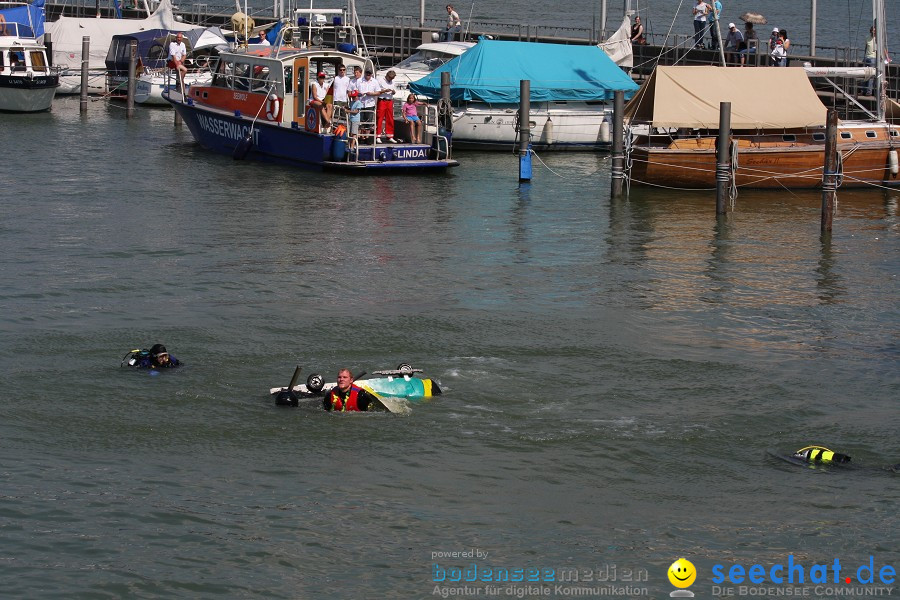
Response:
column 761, row 98
column 892, row 111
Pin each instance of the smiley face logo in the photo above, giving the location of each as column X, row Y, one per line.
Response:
column 682, row 573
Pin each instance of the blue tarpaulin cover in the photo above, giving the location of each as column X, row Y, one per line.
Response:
column 491, row 70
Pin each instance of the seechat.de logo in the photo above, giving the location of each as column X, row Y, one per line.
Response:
column 682, row 574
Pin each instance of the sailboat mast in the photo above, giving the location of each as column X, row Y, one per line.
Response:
column 603, row 20
column 880, row 32
column 812, row 28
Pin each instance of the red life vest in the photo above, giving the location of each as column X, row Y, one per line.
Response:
column 337, row 404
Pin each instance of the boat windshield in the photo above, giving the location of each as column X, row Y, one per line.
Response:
column 16, row 30
column 425, row 60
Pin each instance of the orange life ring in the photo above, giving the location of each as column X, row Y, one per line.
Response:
column 273, row 106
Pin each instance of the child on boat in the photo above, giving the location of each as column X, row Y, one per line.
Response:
column 411, row 116
column 354, row 115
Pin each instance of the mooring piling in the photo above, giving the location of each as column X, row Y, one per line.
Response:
column 85, row 58
column 829, row 172
column 618, row 145
column 524, row 130
column 723, row 158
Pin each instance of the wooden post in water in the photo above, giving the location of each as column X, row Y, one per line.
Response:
column 132, row 65
column 85, row 57
column 618, row 145
column 829, row 173
column 524, row 130
column 723, row 158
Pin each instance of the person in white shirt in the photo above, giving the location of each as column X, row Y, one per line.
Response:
column 340, row 86
column 357, row 77
column 177, row 52
column 701, row 10
column 263, row 41
column 384, row 120
column 318, row 89
column 369, row 90
column 454, row 25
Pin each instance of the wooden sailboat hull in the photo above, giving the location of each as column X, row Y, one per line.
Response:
column 796, row 166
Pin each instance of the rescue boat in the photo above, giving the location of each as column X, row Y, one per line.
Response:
column 257, row 107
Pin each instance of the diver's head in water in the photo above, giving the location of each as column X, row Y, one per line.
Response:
column 159, row 354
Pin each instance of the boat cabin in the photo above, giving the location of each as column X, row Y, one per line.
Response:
column 19, row 52
column 288, row 77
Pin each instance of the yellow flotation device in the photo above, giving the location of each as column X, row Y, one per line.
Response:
column 821, row 454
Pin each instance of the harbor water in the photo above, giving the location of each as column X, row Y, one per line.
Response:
column 614, row 373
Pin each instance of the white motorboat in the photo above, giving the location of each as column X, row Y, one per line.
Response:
column 27, row 82
column 423, row 61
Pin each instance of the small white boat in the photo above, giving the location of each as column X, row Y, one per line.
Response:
column 27, row 82
column 423, row 61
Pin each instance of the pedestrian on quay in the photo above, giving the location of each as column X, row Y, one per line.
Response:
column 869, row 61
column 773, row 38
column 733, row 42
column 637, row 32
column 701, row 12
column 454, row 25
column 713, row 19
column 786, row 43
column 750, row 43
column 778, row 55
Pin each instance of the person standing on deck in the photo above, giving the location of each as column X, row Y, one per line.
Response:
column 369, row 90
column 340, row 85
column 385, row 116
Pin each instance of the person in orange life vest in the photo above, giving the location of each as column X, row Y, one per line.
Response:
column 347, row 397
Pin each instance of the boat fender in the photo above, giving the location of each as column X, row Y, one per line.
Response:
column 272, row 106
column 892, row 161
column 604, row 131
column 243, row 147
column 548, row 131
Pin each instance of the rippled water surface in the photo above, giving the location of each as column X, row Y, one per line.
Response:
column 614, row 371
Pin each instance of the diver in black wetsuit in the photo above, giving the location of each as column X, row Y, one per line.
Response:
column 157, row 357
